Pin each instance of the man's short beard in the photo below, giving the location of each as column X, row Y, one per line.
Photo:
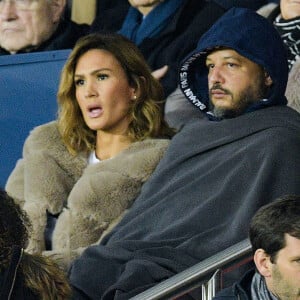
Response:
column 223, row 113
column 246, row 100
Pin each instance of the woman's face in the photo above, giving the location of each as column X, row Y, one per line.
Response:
column 103, row 92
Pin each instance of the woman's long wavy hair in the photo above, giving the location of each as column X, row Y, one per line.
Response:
column 41, row 274
column 146, row 112
column 14, row 226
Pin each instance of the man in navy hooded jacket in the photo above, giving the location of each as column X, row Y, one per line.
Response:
column 240, row 152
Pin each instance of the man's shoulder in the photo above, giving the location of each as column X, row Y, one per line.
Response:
column 280, row 111
column 281, row 118
column 265, row 118
column 231, row 293
column 226, row 294
column 274, row 127
column 81, row 28
column 270, row 130
column 66, row 36
column 238, row 291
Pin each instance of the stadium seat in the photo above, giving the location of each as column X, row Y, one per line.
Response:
column 28, row 84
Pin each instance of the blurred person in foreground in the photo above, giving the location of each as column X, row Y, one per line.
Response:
column 23, row 275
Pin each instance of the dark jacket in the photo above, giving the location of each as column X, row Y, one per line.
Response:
column 182, row 34
column 199, row 201
column 256, row 40
column 110, row 15
column 65, row 37
column 239, row 291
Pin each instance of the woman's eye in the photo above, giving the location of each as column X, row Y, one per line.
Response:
column 210, row 66
column 79, row 82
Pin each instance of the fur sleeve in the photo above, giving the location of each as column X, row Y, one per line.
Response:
column 15, row 183
column 104, row 192
column 44, row 177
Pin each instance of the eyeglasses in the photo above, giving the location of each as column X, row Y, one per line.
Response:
column 19, row 4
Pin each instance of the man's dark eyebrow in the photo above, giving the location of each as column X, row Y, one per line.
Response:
column 226, row 57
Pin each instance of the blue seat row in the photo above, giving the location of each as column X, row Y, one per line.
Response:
column 28, row 85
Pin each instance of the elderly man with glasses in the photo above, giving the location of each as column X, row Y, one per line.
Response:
column 36, row 25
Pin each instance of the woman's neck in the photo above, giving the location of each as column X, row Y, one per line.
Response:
column 107, row 146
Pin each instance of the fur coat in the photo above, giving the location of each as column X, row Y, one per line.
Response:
column 88, row 198
column 293, row 85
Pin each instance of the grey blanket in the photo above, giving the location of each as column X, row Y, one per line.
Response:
column 200, row 200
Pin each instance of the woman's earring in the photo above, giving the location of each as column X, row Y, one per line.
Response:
column 134, row 97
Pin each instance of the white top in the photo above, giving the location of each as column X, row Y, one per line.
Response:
column 93, row 159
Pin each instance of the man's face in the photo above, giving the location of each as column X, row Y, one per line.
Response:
column 234, row 82
column 290, row 9
column 284, row 281
column 25, row 24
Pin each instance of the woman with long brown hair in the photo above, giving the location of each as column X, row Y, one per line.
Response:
column 80, row 173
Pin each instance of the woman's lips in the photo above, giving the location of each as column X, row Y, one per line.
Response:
column 95, row 111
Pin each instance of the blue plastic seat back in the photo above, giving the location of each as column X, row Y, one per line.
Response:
column 28, row 88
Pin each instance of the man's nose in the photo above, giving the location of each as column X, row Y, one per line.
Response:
column 215, row 75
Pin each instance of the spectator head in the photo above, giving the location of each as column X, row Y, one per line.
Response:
column 275, row 238
column 40, row 276
column 233, row 72
column 289, row 9
column 26, row 24
column 14, row 224
column 145, row 93
column 235, row 82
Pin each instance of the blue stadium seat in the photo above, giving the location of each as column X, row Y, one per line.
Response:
column 28, row 85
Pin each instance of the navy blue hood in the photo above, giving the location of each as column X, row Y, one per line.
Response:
column 253, row 37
